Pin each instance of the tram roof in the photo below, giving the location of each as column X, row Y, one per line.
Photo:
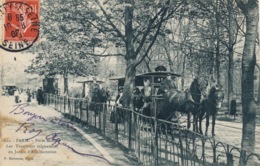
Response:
column 90, row 81
column 150, row 74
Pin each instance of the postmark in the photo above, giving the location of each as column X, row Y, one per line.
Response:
column 20, row 24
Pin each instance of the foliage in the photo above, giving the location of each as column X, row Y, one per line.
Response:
column 64, row 42
column 60, row 62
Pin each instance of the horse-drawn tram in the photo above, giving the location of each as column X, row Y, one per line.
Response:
column 149, row 84
column 156, row 140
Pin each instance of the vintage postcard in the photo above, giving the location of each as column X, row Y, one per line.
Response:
column 129, row 82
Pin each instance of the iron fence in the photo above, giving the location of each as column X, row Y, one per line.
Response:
column 153, row 141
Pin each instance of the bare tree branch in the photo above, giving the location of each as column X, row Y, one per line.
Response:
column 155, row 36
column 148, row 29
column 109, row 20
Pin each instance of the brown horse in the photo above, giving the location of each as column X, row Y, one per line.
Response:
column 210, row 106
column 187, row 101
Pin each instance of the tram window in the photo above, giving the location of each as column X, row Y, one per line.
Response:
column 158, row 79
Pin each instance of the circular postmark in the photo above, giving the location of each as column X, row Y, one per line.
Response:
column 20, row 26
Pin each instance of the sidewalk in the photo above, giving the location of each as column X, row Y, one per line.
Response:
column 45, row 128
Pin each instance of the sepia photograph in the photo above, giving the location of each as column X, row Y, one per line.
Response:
column 129, row 83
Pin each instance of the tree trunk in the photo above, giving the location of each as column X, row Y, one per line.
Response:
column 66, row 84
column 218, row 44
column 129, row 84
column 183, row 72
column 130, row 55
column 230, row 77
column 250, row 10
column 230, row 52
column 258, row 93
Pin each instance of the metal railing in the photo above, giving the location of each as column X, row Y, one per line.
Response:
column 153, row 141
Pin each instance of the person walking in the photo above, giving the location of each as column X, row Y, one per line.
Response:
column 29, row 95
column 39, row 96
column 16, row 95
column 108, row 95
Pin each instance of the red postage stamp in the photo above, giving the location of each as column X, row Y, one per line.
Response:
column 21, row 24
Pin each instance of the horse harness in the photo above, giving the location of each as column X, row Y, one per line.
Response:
column 209, row 100
column 188, row 96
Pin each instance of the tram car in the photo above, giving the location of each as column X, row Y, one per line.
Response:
column 150, row 84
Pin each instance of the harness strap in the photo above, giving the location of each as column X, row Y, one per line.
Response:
column 191, row 99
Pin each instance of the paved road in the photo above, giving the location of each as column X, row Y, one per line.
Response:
column 229, row 132
column 52, row 140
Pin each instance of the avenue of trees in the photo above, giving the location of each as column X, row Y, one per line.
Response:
column 190, row 37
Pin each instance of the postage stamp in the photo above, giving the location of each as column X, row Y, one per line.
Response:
column 19, row 24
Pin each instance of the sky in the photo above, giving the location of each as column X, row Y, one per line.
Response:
column 16, row 68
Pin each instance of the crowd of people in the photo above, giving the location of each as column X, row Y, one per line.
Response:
column 104, row 93
column 29, row 95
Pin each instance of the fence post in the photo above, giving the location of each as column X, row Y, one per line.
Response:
column 104, row 118
column 214, row 152
column 69, row 106
column 60, row 103
column 130, row 129
column 155, row 142
column 203, row 151
column 181, row 146
column 80, row 108
column 137, row 142
column 116, row 123
column 65, row 101
column 100, row 105
column 47, row 98
column 166, row 144
column 242, row 158
column 88, row 103
column 95, row 111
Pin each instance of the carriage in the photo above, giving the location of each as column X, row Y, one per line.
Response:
column 150, row 82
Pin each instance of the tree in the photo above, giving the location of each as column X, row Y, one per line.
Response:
column 65, row 42
column 60, row 61
column 131, row 26
column 251, row 11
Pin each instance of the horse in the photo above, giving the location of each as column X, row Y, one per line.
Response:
column 210, row 106
column 187, row 101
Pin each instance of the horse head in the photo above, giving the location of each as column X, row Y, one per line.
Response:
column 216, row 95
column 203, row 83
column 198, row 88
